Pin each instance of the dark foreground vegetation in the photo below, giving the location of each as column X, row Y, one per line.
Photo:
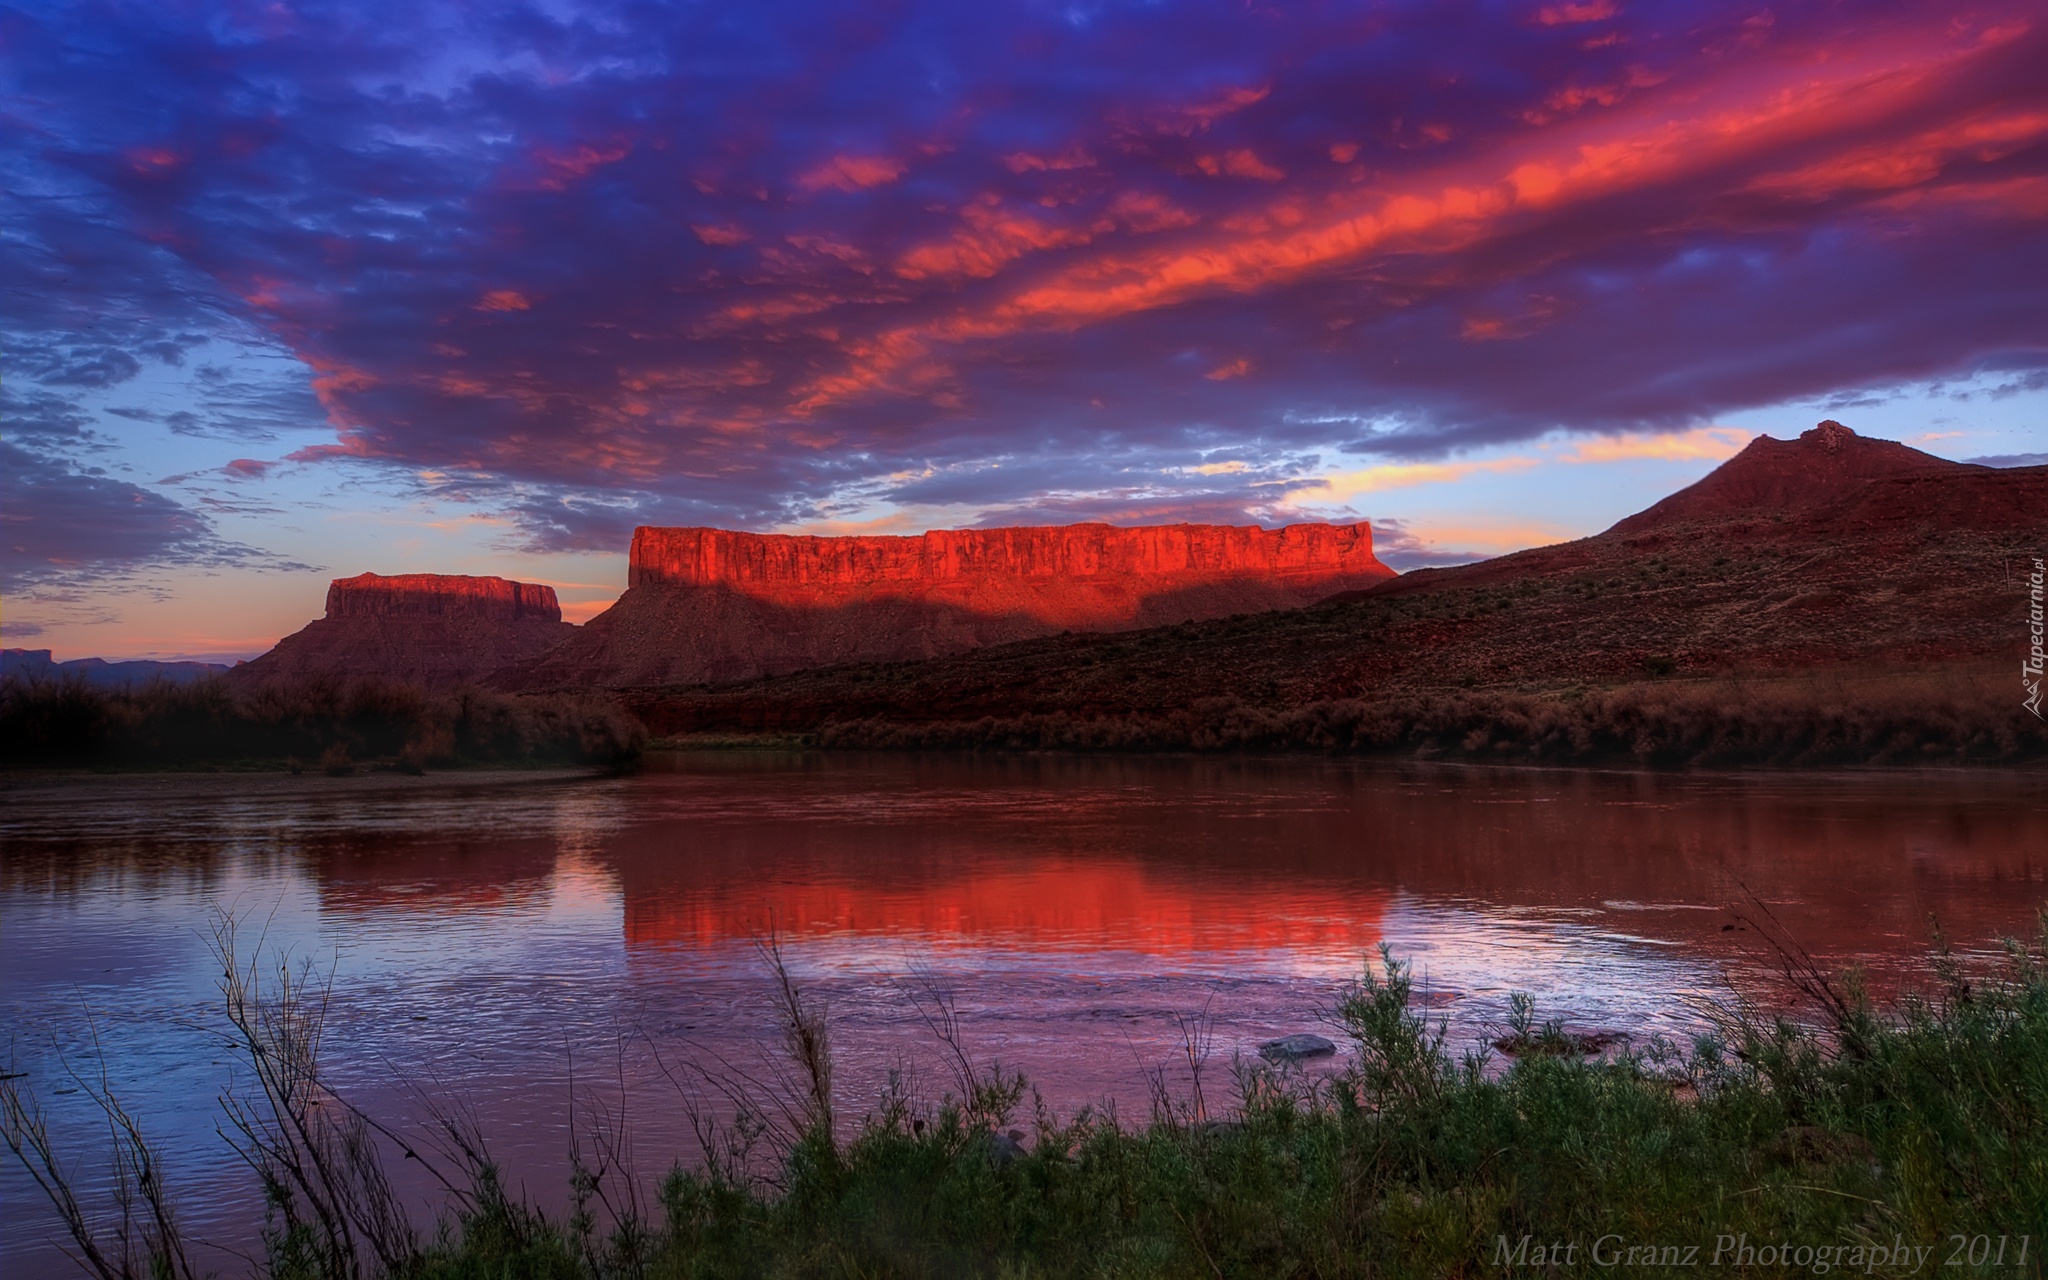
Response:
column 1908, row 1142
column 338, row 725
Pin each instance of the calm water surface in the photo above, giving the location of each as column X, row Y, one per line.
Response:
column 537, row 946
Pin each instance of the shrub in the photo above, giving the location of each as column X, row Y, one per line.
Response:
column 1823, row 719
column 338, row 723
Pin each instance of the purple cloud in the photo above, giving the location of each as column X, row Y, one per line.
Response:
column 606, row 264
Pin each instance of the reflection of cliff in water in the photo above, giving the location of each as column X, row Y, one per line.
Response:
column 1167, row 855
column 1155, row 856
column 1046, row 904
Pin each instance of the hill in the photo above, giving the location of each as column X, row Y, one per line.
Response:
column 1825, row 598
column 1773, row 477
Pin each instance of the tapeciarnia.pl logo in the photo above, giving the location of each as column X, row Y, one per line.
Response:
column 2030, row 666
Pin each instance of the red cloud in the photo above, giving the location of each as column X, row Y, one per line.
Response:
column 1568, row 14
column 1072, row 158
column 1239, row 163
column 851, row 173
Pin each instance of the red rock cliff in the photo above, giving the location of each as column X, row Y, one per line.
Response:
column 429, row 629
column 762, row 563
column 418, row 595
column 713, row 604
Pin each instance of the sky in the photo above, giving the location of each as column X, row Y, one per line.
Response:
column 295, row 291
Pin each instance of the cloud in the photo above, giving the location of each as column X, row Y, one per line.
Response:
column 59, row 525
column 1241, row 162
column 717, row 266
column 1403, row 545
column 851, row 173
column 1341, row 487
column 1571, row 14
column 1714, row 444
column 2011, row 460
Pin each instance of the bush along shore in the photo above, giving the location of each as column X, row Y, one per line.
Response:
column 1796, row 721
column 336, row 725
column 1907, row 1141
column 1058, row 701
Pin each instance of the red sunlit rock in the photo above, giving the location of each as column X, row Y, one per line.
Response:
column 984, row 559
column 712, row 604
column 429, row 595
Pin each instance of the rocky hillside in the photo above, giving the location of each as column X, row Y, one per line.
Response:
column 1771, row 478
column 437, row 630
column 711, row 604
column 1828, row 597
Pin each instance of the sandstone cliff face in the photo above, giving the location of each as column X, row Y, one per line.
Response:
column 436, row 630
column 713, row 604
column 435, row 595
column 977, row 558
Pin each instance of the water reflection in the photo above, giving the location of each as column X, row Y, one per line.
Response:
column 490, row 932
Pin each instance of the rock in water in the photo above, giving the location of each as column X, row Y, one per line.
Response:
column 1007, row 1147
column 430, row 629
column 711, row 604
column 1296, row 1048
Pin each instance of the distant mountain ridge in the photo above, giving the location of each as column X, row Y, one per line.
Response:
column 37, row 664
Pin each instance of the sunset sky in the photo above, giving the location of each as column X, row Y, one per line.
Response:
column 298, row 291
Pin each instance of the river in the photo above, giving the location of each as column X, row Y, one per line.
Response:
column 548, row 949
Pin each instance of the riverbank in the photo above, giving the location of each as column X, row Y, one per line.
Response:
column 1883, row 1143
